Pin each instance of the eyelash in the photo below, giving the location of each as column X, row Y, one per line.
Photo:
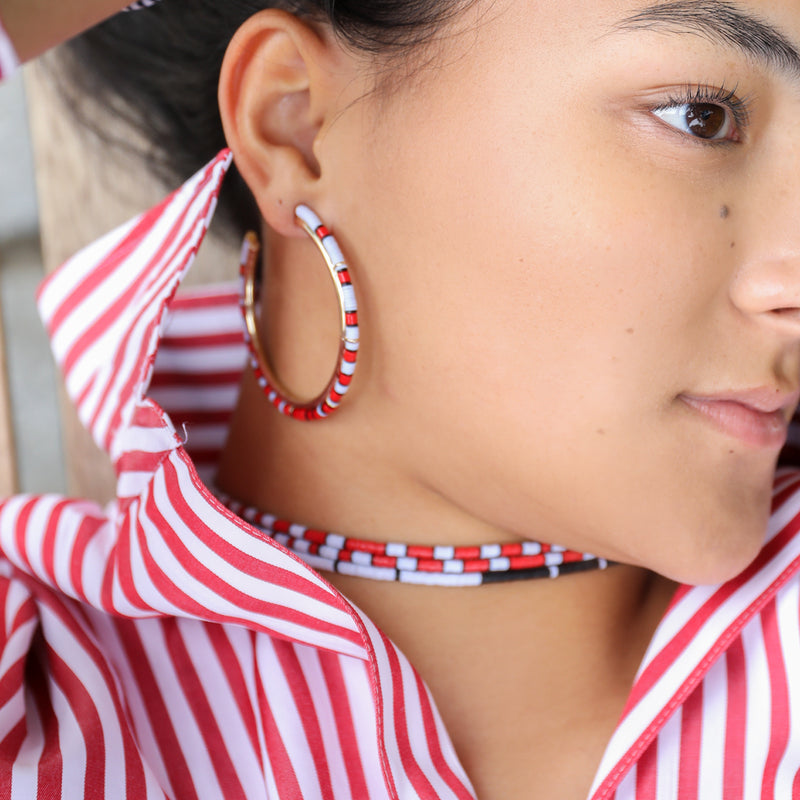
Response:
column 739, row 107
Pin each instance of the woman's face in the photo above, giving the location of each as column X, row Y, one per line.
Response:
column 576, row 236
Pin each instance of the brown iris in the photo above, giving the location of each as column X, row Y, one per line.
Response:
column 705, row 120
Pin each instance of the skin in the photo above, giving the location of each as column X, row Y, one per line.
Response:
column 37, row 25
column 545, row 272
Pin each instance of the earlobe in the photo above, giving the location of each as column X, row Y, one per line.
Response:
column 273, row 101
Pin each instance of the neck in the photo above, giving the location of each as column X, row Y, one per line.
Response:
column 530, row 678
column 506, row 664
column 337, row 476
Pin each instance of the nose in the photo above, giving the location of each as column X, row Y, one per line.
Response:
column 768, row 290
column 766, row 284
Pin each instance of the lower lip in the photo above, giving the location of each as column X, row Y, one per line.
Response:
column 755, row 428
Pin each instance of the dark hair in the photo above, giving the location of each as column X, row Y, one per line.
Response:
column 159, row 69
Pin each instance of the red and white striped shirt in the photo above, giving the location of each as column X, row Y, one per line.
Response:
column 162, row 647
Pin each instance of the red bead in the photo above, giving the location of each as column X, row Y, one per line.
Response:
column 429, row 565
column 478, row 565
column 526, row 562
column 467, row 553
column 365, row 546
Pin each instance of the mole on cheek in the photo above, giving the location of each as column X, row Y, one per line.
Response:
column 724, row 211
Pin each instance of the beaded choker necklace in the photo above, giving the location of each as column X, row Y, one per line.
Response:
column 432, row 566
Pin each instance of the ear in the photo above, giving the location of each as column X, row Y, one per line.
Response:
column 278, row 87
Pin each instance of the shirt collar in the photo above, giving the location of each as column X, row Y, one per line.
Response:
column 166, row 545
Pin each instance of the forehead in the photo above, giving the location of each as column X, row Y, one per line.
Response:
column 735, row 19
column 763, row 31
column 737, row 26
column 523, row 41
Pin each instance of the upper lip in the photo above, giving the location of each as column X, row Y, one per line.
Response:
column 766, row 399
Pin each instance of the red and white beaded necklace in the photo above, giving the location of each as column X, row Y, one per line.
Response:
column 431, row 566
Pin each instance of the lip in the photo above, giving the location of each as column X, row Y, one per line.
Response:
column 758, row 417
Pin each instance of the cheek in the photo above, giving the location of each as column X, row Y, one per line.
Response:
column 535, row 314
column 554, row 298
column 537, row 284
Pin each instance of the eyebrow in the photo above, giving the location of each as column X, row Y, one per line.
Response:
column 721, row 23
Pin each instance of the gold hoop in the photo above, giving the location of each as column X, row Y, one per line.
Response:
column 330, row 398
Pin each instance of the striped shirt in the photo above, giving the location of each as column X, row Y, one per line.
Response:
column 160, row 647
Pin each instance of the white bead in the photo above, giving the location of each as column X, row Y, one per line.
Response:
column 441, row 579
column 407, row 564
column 359, row 571
column 335, row 540
column 331, row 553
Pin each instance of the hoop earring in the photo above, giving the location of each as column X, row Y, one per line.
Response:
column 330, row 398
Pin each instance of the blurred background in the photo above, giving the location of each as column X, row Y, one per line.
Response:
column 62, row 188
column 32, row 452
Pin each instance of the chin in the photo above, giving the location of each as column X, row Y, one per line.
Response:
column 723, row 524
column 718, row 554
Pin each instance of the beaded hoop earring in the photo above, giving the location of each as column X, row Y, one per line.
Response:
column 328, row 401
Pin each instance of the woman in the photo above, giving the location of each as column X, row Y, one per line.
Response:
column 570, row 233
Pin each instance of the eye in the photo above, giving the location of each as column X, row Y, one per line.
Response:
column 709, row 121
